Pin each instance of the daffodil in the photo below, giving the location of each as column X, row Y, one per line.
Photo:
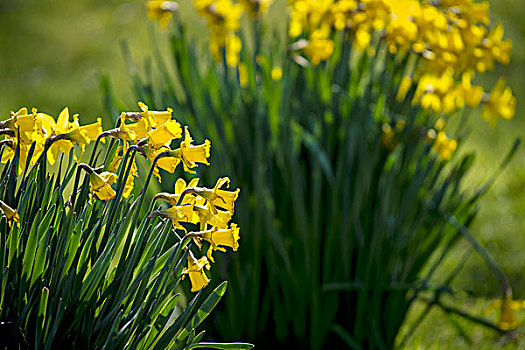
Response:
column 220, row 238
column 179, row 214
column 507, row 316
column 166, row 163
column 100, row 185
column 155, row 118
column 215, row 218
column 277, row 73
column 218, row 197
column 10, row 214
column 83, row 135
column 63, row 134
column 162, row 11
column 164, row 134
column 443, row 145
column 140, row 129
column 25, row 125
column 319, row 48
column 499, row 104
column 472, row 93
column 190, row 154
column 195, row 271
column 180, row 186
column 123, row 132
column 146, row 120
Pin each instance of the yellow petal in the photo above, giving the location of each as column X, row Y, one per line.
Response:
column 101, row 185
column 62, row 124
column 165, row 133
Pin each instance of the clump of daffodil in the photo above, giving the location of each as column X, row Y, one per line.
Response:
column 97, row 198
column 452, row 41
column 208, row 209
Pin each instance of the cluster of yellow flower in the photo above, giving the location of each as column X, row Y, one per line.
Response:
column 450, row 37
column 211, row 210
column 150, row 133
column 223, row 21
column 24, row 128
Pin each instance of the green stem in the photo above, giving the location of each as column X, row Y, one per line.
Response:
column 484, row 253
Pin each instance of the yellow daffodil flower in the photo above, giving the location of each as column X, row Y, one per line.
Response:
column 83, row 135
column 319, row 49
column 140, row 129
column 218, row 197
column 180, row 186
column 507, row 316
column 220, row 238
column 217, row 218
column 472, row 93
column 190, row 154
column 155, row 118
column 443, row 145
column 162, row 11
column 195, row 271
column 164, row 134
column 499, row 104
column 10, row 214
column 70, row 132
column 167, row 163
column 277, row 73
column 100, row 185
column 179, row 214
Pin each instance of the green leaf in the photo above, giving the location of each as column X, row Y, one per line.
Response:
column 31, row 246
column 40, row 260
column 206, row 308
column 225, row 346
column 42, row 308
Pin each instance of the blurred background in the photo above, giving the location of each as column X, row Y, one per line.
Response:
column 52, row 54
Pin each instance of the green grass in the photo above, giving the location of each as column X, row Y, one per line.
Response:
column 53, row 52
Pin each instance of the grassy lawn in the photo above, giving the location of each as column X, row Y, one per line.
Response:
column 52, row 55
